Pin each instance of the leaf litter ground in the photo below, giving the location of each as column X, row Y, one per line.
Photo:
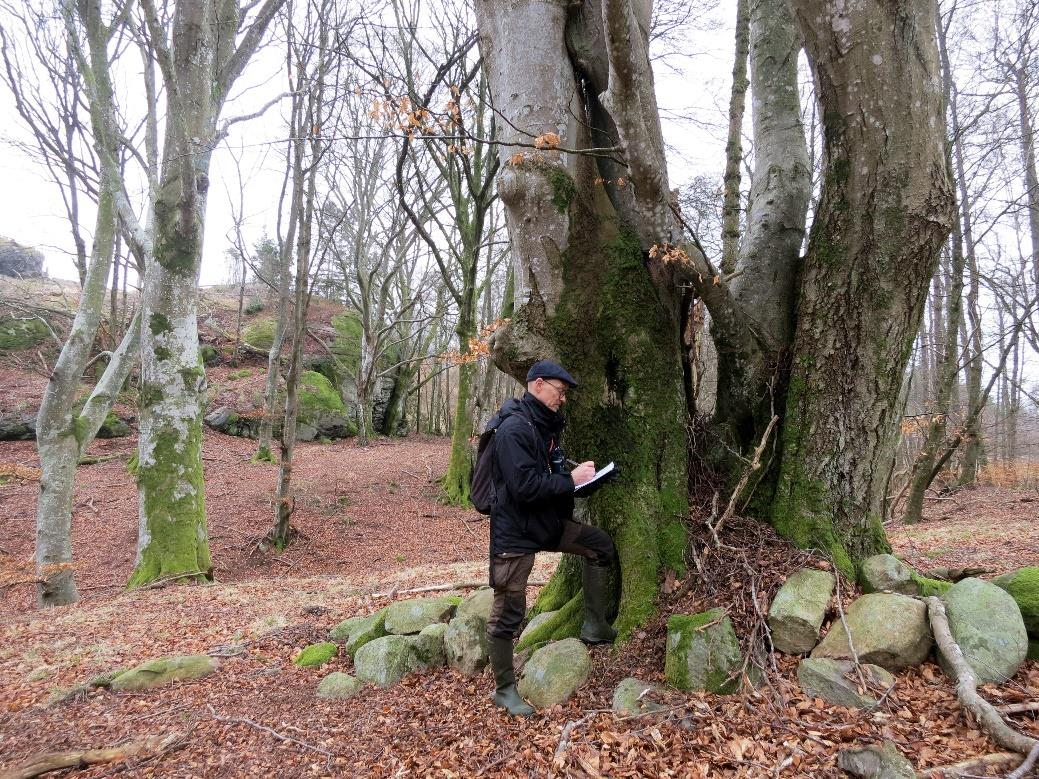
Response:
column 371, row 529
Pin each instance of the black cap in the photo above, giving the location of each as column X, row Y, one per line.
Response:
column 546, row 369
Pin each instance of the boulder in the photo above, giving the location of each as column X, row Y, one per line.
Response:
column 986, row 622
column 385, row 660
column 886, row 573
column 536, row 622
column 364, row 630
column 877, row 761
column 1023, row 586
column 17, row 334
column 555, row 672
column 465, row 643
column 316, row 654
column 409, row 616
column 430, row 651
column 634, row 696
column 113, row 427
column 156, row 673
column 19, row 261
column 835, row 681
column 339, row 685
column 479, row 603
column 17, row 426
column 797, row 611
column 341, row 632
column 703, row 653
column 887, row 629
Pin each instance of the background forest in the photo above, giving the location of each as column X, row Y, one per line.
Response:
column 790, row 248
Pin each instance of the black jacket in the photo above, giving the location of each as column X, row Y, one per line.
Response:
column 532, row 503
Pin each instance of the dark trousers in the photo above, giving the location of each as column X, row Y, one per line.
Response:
column 509, row 574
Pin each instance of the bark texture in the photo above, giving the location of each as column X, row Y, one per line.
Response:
column 886, row 207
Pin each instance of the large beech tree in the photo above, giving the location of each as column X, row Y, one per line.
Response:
column 603, row 265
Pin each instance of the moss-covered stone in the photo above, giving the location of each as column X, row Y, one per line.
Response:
column 1023, row 586
column 339, row 685
column 410, row 616
column 429, row 645
column 986, row 624
column 209, row 354
column 797, row 611
column 886, row 573
column 886, row 629
column 260, row 334
column 385, row 660
column 347, row 344
column 155, row 673
column 365, row 630
column 316, row 654
column 555, row 672
column 17, row 334
column 927, row 587
column 703, row 653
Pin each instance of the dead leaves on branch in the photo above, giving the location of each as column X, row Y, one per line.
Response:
column 478, row 346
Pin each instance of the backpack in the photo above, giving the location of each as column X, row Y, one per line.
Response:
column 481, row 487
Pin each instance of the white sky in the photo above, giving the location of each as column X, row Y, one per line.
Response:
column 32, row 212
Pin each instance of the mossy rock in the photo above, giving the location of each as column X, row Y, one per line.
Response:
column 703, row 653
column 113, row 427
column 410, row 616
column 260, row 334
column 340, row 686
column 886, row 573
column 986, row 623
column 466, row 644
column 209, row 354
column 634, row 696
column 164, row 670
column 797, row 611
column 385, row 660
column 17, row 334
column 429, row 646
column 555, row 672
column 479, row 603
column 347, row 344
column 930, row 587
column 1023, row 586
column 317, row 654
column 360, row 630
column 886, row 628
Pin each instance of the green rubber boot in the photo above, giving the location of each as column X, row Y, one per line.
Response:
column 596, row 630
column 505, row 693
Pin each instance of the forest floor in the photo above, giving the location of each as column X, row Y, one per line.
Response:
column 372, row 528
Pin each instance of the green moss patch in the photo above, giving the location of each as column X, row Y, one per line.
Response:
column 317, row 654
column 317, row 394
column 260, row 334
column 1023, row 586
column 17, row 334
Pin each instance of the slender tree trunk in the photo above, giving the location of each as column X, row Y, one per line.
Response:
column 885, row 209
column 1021, row 87
column 199, row 69
column 751, row 387
column 734, row 142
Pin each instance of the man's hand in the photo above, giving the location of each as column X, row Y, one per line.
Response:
column 583, row 472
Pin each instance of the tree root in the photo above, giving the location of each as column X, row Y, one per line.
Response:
column 967, row 685
column 45, row 762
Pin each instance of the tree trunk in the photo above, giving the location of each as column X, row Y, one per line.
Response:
column 751, row 387
column 199, row 69
column 734, row 142
column 585, row 293
column 948, row 368
column 886, row 207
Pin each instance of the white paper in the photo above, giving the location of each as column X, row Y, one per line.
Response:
column 604, row 471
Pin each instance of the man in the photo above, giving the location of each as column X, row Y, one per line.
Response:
column 533, row 511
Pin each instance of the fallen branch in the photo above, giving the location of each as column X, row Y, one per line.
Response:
column 976, row 766
column 98, row 459
column 1017, row 708
column 564, row 738
column 442, row 587
column 272, row 731
column 967, row 685
column 1026, row 766
column 45, row 762
column 755, row 464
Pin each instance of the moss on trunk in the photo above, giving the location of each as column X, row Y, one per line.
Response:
column 456, row 482
column 172, row 493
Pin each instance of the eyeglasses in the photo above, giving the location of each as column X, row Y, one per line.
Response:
column 561, row 391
